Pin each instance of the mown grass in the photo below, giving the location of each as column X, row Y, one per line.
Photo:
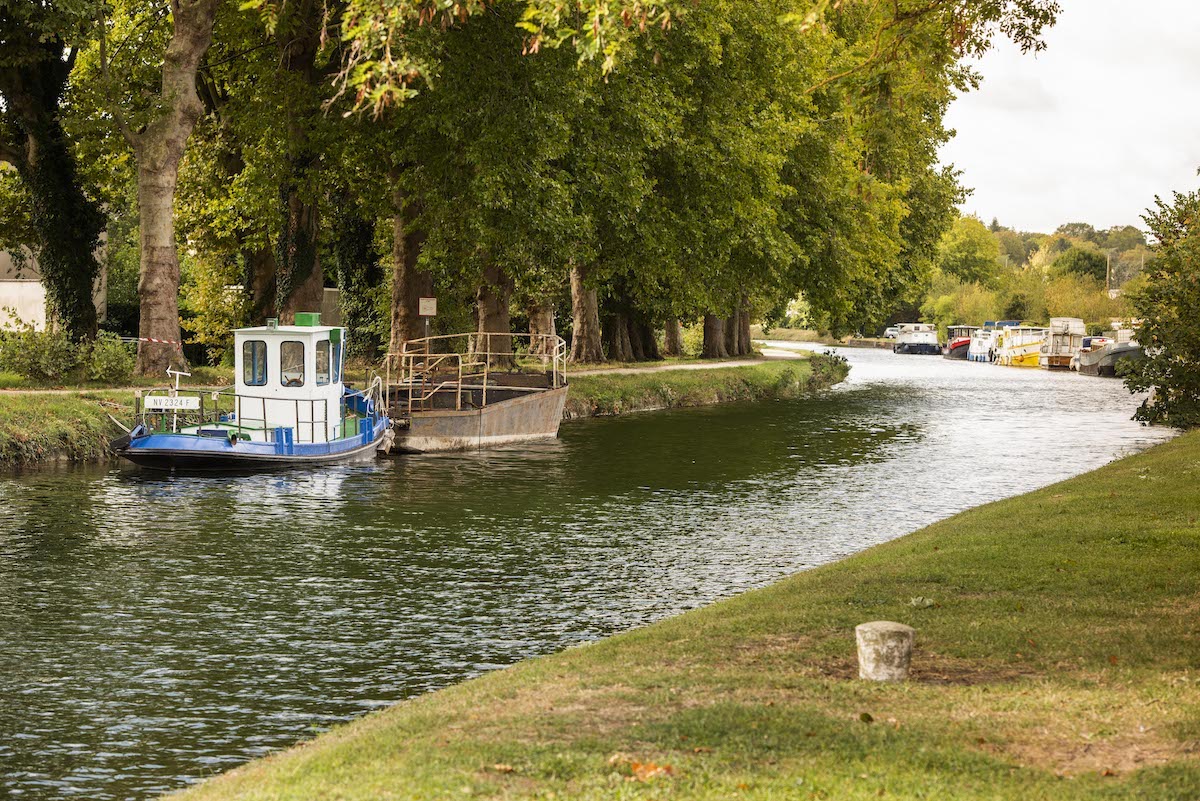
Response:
column 793, row 335
column 607, row 394
column 36, row 427
column 1059, row 659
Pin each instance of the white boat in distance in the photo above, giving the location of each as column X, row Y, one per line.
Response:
column 919, row 338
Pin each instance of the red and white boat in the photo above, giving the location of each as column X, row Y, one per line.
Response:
column 958, row 341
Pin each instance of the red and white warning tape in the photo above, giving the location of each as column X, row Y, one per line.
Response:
column 151, row 339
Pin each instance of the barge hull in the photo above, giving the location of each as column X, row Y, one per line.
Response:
column 529, row 417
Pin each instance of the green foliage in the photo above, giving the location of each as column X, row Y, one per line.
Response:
column 110, row 361
column 211, row 305
column 1169, row 307
column 1082, row 296
column 951, row 301
column 39, row 355
column 1078, row 230
column 1081, row 260
column 970, row 252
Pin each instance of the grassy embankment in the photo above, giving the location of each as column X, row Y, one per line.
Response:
column 75, row 426
column 606, row 394
column 1058, row 657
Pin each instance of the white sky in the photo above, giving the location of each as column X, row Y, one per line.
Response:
column 1092, row 128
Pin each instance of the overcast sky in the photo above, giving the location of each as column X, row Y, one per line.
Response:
column 1092, row 128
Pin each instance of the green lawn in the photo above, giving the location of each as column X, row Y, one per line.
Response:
column 1060, row 659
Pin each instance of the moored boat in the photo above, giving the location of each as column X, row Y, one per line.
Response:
column 1105, row 359
column 1063, row 343
column 958, row 340
column 288, row 407
column 1020, row 346
column 470, row 391
column 917, row 338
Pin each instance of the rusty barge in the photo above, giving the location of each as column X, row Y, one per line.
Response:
column 468, row 391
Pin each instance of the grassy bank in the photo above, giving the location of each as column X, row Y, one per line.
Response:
column 47, row 427
column 1058, row 657
column 594, row 395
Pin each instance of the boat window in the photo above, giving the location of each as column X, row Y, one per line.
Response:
column 291, row 364
column 254, row 363
column 323, row 367
column 337, row 362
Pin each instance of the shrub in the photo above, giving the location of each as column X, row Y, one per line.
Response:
column 38, row 355
column 111, row 360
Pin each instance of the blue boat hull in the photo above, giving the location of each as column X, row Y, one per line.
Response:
column 191, row 452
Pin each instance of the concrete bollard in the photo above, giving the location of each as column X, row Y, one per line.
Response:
column 884, row 650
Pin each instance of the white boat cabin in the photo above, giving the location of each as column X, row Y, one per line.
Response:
column 917, row 333
column 290, row 377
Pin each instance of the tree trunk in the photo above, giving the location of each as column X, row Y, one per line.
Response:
column 158, row 149
column 300, row 280
column 642, row 332
column 65, row 222
column 731, row 335
column 747, row 347
column 714, row 338
column 586, row 345
column 541, row 328
column 673, row 338
column 409, row 284
column 494, row 326
column 260, row 277
column 616, row 335
column 158, row 283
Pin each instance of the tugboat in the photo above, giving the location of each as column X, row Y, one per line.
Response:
column 288, row 407
column 958, row 340
column 918, row 338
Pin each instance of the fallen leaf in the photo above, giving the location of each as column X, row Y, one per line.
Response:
column 1108, row 772
column 500, row 767
column 701, row 749
column 645, row 771
column 866, row 717
column 1112, row 660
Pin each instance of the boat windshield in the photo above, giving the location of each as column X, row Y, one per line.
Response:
column 291, row 363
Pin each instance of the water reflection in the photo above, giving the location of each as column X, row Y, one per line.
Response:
column 158, row 629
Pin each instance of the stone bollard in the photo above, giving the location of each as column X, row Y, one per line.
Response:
column 884, row 650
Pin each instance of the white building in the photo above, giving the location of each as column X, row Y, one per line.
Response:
column 23, row 295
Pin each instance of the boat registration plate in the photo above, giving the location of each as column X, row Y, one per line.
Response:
column 159, row 403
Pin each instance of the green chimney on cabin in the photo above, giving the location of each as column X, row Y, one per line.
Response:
column 308, row 319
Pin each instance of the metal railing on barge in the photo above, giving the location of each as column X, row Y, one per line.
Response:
column 451, row 364
column 214, row 407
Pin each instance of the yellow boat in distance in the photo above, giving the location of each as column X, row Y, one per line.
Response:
column 1020, row 346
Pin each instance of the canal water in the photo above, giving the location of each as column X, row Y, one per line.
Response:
column 155, row 630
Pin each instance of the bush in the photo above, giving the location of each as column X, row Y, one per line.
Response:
column 38, row 355
column 111, row 360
